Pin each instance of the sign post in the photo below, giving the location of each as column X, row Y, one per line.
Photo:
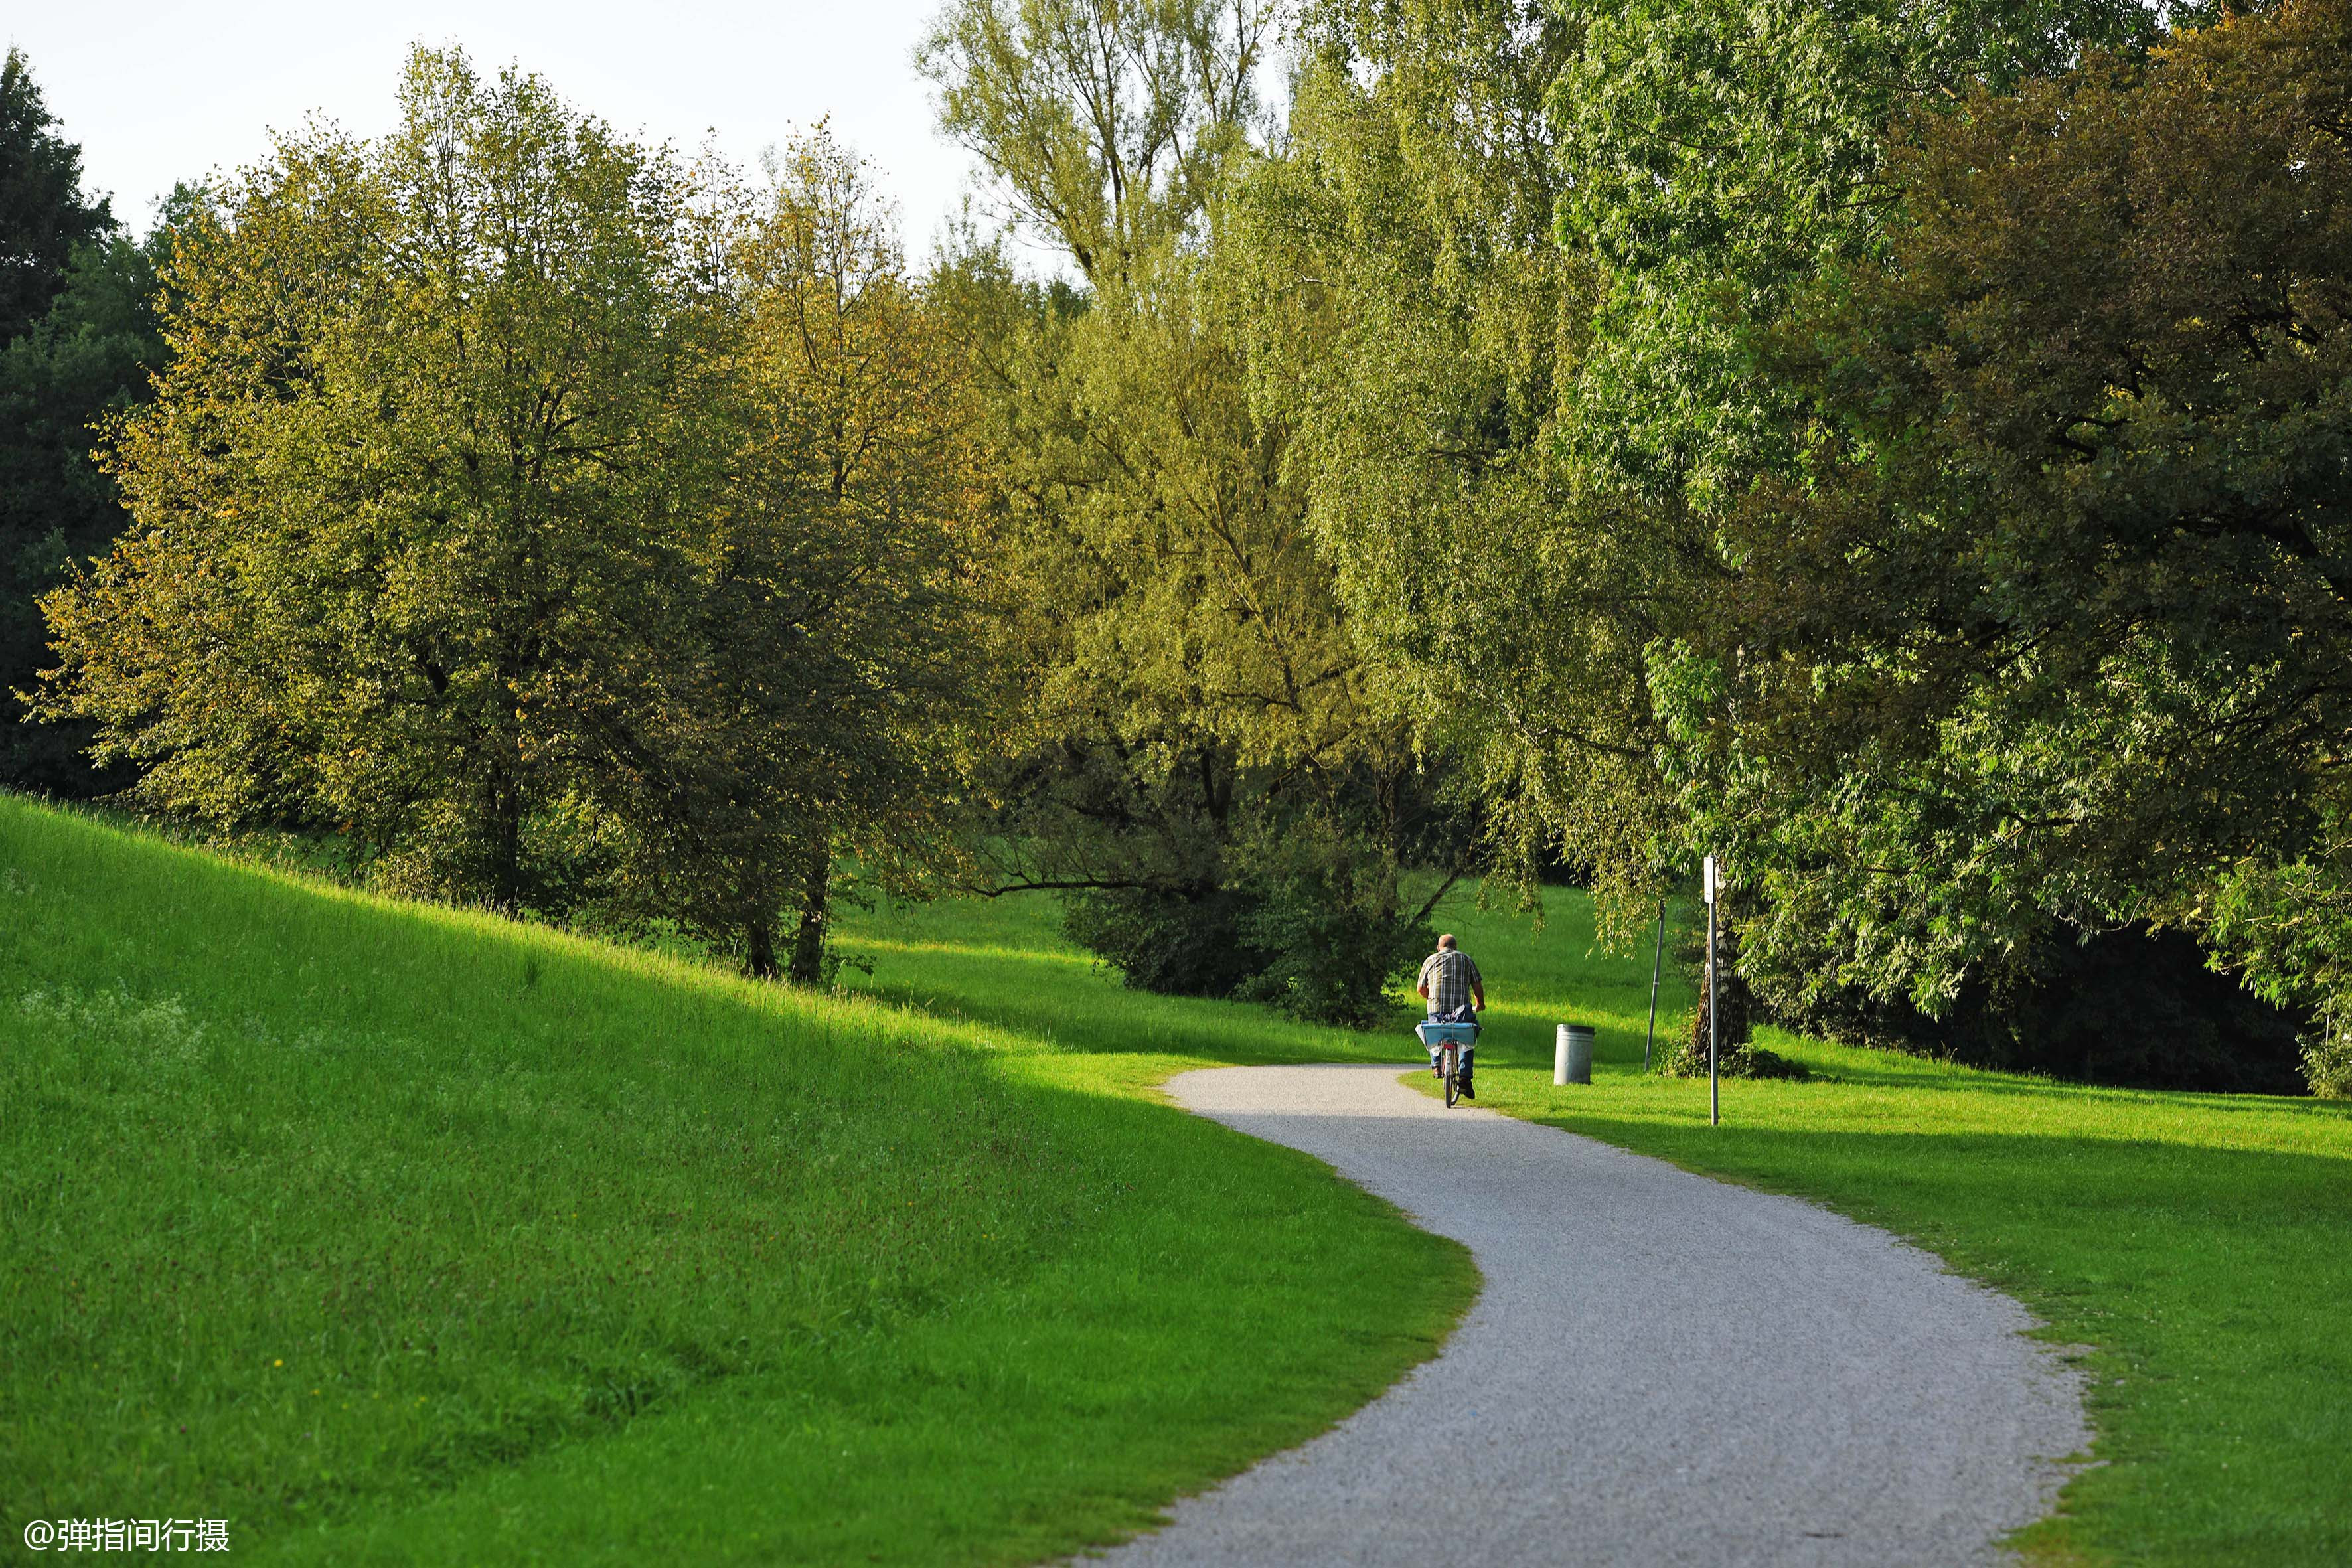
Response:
column 1657, row 956
column 1713, row 1093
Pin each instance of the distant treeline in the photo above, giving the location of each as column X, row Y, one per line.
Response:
column 1904, row 450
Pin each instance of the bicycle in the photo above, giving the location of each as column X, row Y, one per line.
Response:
column 1449, row 1039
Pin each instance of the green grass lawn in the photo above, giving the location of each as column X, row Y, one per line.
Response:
column 391, row 1234
column 591, row 1254
column 2200, row 1244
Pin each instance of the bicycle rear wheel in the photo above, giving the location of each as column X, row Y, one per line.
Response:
column 1450, row 1058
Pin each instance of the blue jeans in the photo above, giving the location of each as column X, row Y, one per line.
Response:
column 1467, row 1052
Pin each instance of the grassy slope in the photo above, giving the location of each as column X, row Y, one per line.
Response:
column 2201, row 1245
column 392, row 1234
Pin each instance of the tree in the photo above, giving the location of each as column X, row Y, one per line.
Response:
column 1199, row 701
column 1107, row 124
column 1415, row 320
column 1572, row 434
column 572, row 531
column 828, row 686
column 1511, row 271
column 86, row 361
column 1716, row 154
column 2049, row 626
column 405, row 505
column 77, row 342
column 44, row 214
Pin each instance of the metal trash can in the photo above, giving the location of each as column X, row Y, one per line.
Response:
column 1572, row 1056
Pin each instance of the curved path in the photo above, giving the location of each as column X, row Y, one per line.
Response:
column 1661, row 1369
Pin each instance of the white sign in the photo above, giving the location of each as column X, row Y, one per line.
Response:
column 1709, row 884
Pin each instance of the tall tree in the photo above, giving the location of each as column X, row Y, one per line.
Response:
column 827, row 686
column 78, row 341
column 405, row 503
column 1108, row 125
column 1415, row 320
column 44, row 212
column 2051, row 623
column 1517, row 450
column 1201, row 704
column 1718, row 154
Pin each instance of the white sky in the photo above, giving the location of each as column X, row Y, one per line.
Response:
column 156, row 92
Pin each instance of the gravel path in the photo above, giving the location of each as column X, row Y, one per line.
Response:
column 1661, row 1369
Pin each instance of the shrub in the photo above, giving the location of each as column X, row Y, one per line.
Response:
column 2327, row 1065
column 1308, row 926
column 1179, row 943
column 1327, row 923
column 2132, row 1007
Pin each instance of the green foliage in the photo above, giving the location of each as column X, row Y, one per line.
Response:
column 1162, row 940
column 1307, row 922
column 819, row 676
column 44, row 217
column 1193, row 681
column 2132, row 1007
column 563, row 526
column 1106, row 126
column 1413, row 317
column 1506, row 276
column 2291, row 926
column 77, row 342
column 1176, row 604
column 85, row 361
column 406, row 500
column 1326, row 919
column 2048, row 629
column 1535, row 468
column 1714, row 156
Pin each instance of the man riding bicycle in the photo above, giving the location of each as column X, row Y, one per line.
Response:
column 1456, row 992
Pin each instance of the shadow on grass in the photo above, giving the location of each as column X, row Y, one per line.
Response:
column 1111, row 1020
column 1853, row 1066
column 1038, row 997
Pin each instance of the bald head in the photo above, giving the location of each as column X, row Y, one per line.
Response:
column 1446, row 943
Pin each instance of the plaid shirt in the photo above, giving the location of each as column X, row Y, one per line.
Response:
column 1451, row 975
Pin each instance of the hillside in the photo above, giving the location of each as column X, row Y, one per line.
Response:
column 392, row 1232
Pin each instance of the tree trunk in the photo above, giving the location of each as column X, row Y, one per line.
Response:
column 808, row 941
column 505, row 845
column 760, row 941
column 1731, row 992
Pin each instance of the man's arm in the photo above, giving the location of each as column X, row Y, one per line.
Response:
column 1477, row 985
